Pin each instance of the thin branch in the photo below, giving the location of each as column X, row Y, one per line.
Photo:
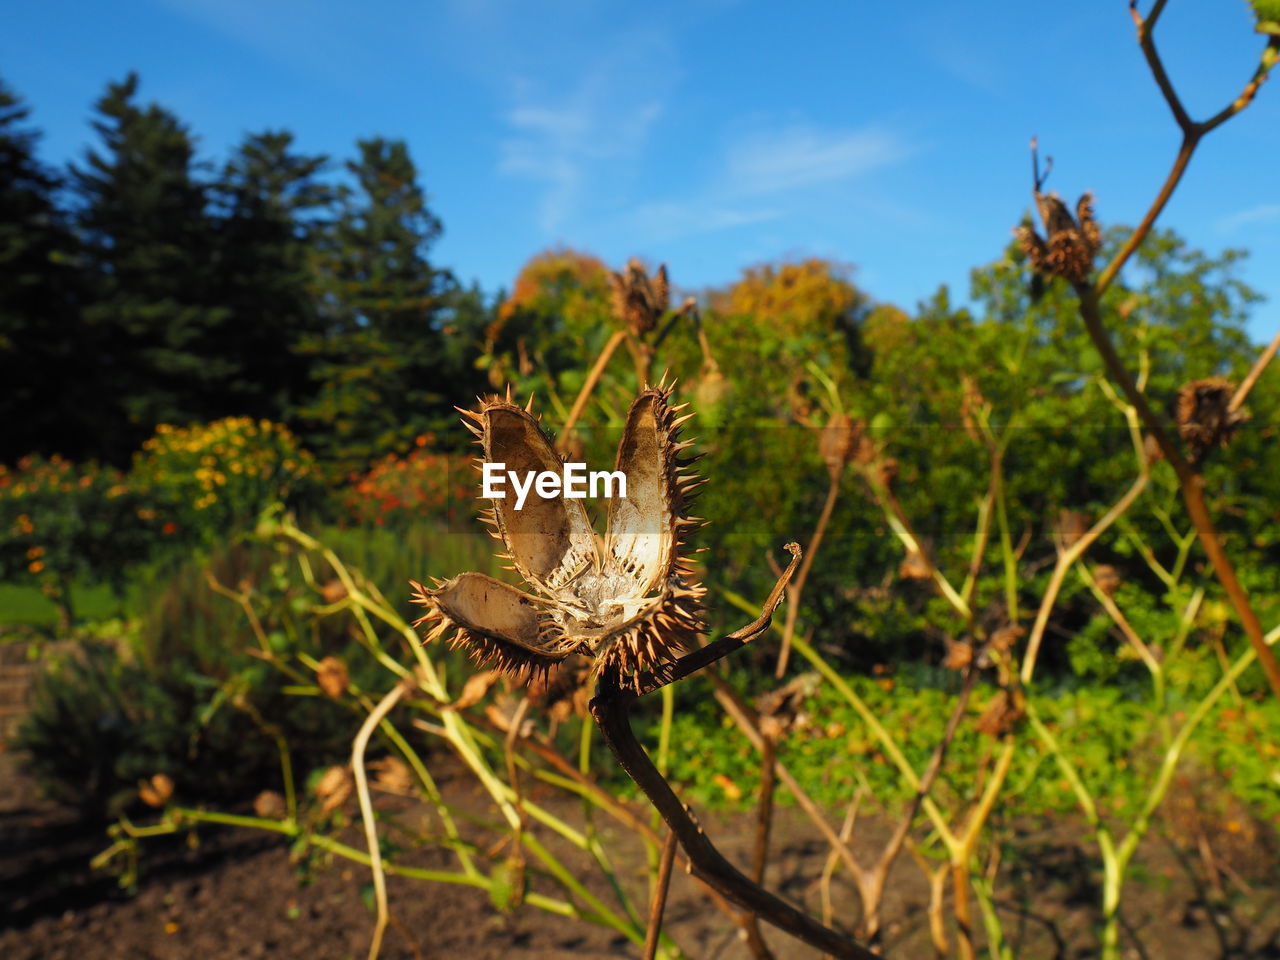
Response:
column 1237, row 401
column 1147, row 41
column 589, row 385
column 815, row 541
column 718, row 649
column 358, row 747
column 660, row 896
column 1268, row 59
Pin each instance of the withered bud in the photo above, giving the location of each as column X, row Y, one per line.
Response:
column 1072, row 243
column 971, row 401
column 269, row 805
column 157, row 791
column 564, row 690
column 1204, row 414
column 393, row 775
column 333, row 788
column 475, row 688
column 502, row 714
column 1151, row 449
column 1002, row 715
column 332, row 677
column 333, row 591
column 1071, row 526
column 1002, row 640
column 781, row 708
column 1107, row 578
column 915, row 566
column 638, row 299
column 887, row 471
column 838, row 442
column 959, row 654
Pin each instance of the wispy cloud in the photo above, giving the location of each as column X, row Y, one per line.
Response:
column 562, row 145
column 798, row 157
column 763, row 175
column 1263, row 213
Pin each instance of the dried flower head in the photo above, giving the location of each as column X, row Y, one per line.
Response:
column 157, row 791
column 332, row 677
column 269, row 805
column 1002, row 715
column 333, row 788
column 1205, row 417
column 626, row 601
column 639, row 299
column 1072, row 242
column 839, row 442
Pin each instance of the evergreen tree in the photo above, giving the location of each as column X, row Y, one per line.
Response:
column 381, row 368
column 270, row 200
column 45, row 405
column 162, row 350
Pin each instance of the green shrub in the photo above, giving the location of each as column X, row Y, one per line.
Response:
column 180, row 693
column 206, row 481
column 62, row 522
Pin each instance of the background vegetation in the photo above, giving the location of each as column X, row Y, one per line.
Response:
column 190, row 347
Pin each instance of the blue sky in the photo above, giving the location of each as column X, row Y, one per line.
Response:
column 709, row 134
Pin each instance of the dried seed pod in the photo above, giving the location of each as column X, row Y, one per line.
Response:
column 959, row 654
column 393, row 775
column 915, row 566
column 332, row 677
column 269, row 805
column 638, row 300
column 1107, row 578
column 627, row 602
column 333, row 788
column 1071, row 526
column 1002, row 715
column 839, row 441
column 1205, row 417
column 157, row 791
column 1072, row 243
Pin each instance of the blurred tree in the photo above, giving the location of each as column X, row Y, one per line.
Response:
column 553, row 323
column 160, row 346
column 46, row 404
column 383, row 374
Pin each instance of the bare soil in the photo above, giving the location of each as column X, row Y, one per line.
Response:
column 1213, row 891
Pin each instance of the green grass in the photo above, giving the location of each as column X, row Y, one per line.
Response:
column 29, row 607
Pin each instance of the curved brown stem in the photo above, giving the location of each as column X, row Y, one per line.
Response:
column 1190, row 483
column 611, row 710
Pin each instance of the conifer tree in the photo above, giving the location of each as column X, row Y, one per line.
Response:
column 162, row 351
column 272, row 205
column 44, row 404
column 381, row 366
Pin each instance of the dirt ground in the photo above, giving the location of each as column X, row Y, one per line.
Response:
column 238, row 895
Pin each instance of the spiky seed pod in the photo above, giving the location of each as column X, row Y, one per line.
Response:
column 627, row 602
column 638, row 300
column 1072, row 242
column 1205, row 417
